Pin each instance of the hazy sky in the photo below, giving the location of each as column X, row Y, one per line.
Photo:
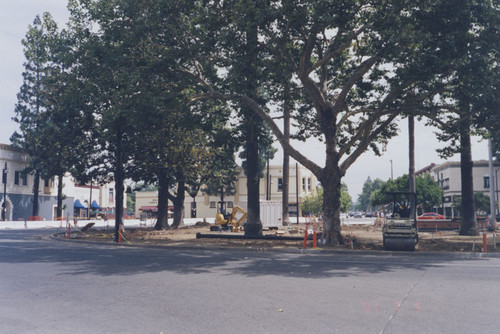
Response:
column 16, row 15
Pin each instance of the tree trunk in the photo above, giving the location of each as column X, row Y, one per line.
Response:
column 36, row 190
column 331, row 182
column 162, row 218
column 286, row 156
column 253, row 226
column 119, row 182
column 411, row 173
column 179, row 205
column 60, row 196
column 469, row 223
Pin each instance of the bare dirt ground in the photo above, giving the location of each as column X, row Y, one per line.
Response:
column 356, row 237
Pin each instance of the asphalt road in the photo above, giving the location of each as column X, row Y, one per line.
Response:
column 49, row 286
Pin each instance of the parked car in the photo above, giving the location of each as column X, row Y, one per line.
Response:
column 370, row 215
column 430, row 216
column 358, row 215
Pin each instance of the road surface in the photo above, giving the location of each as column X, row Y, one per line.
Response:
column 49, row 286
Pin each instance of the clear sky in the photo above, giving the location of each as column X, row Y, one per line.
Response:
column 16, row 15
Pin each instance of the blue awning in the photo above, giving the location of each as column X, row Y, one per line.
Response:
column 95, row 206
column 79, row 205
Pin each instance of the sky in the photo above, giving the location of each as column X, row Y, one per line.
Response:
column 17, row 15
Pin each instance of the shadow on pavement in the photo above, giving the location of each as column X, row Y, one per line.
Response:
column 18, row 247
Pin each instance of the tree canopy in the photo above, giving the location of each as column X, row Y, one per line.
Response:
column 429, row 193
column 347, row 71
column 313, row 203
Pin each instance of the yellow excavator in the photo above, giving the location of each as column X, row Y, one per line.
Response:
column 231, row 222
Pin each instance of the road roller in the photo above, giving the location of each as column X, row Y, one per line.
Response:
column 400, row 229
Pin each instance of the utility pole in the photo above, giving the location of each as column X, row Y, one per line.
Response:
column 392, row 173
column 4, row 204
column 297, row 188
column 267, row 179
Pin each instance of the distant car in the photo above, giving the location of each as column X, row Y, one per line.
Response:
column 358, row 215
column 369, row 215
column 430, row 216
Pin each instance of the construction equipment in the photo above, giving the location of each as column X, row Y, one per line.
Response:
column 400, row 230
column 231, row 222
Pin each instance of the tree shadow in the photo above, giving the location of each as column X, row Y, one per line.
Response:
column 18, row 247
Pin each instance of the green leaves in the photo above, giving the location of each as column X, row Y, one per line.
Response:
column 429, row 193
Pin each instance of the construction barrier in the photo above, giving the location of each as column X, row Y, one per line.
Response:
column 311, row 223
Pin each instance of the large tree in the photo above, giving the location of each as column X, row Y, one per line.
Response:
column 358, row 65
column 468, row 99
column 37, row 100
column 104, row 43
column 369, row 187
column 429, row 193
column 313, row 203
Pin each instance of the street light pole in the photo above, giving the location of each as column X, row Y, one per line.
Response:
column 496, row 191
column 392, row 172
column 4, row 204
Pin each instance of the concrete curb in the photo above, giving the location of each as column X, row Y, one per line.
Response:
column 463, row 255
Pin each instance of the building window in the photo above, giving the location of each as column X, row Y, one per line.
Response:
column 309, row 184
column 280, row 184
column 24, row 178
column 16, row 177
column 212, row 205
column 486, row 182
column 111, row 195
column 446, row 184
column 304, row 183
column 229, row 205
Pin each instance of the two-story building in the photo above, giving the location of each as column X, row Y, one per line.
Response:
column 16, row 195
column 448, row 175
column 301, row 184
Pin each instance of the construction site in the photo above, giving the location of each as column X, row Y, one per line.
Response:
column 357, row 237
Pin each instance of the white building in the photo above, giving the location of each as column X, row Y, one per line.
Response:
column 448, row 176
column 100, row 198
column 205, row 206
column 17, row 191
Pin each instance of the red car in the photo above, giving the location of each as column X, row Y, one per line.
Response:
column 430, row 216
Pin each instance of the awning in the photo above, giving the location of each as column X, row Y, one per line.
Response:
column 148, row 208
column 153, row 208
column 95, row 206
column 79, row 205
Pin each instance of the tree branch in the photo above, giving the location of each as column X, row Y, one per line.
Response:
column 303, row 160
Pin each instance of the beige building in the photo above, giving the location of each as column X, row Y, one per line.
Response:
column 448, row 176
column 205, row 206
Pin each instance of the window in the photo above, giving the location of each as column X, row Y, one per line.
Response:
column 280, row 184
column 309, row 184
column 486, row 182
column 111, row 195
column 16, row 177
column 229, row 205
column 304, row 183
column 193, row 209
column 24, row 178
column 212, row 205
column 446, row 184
